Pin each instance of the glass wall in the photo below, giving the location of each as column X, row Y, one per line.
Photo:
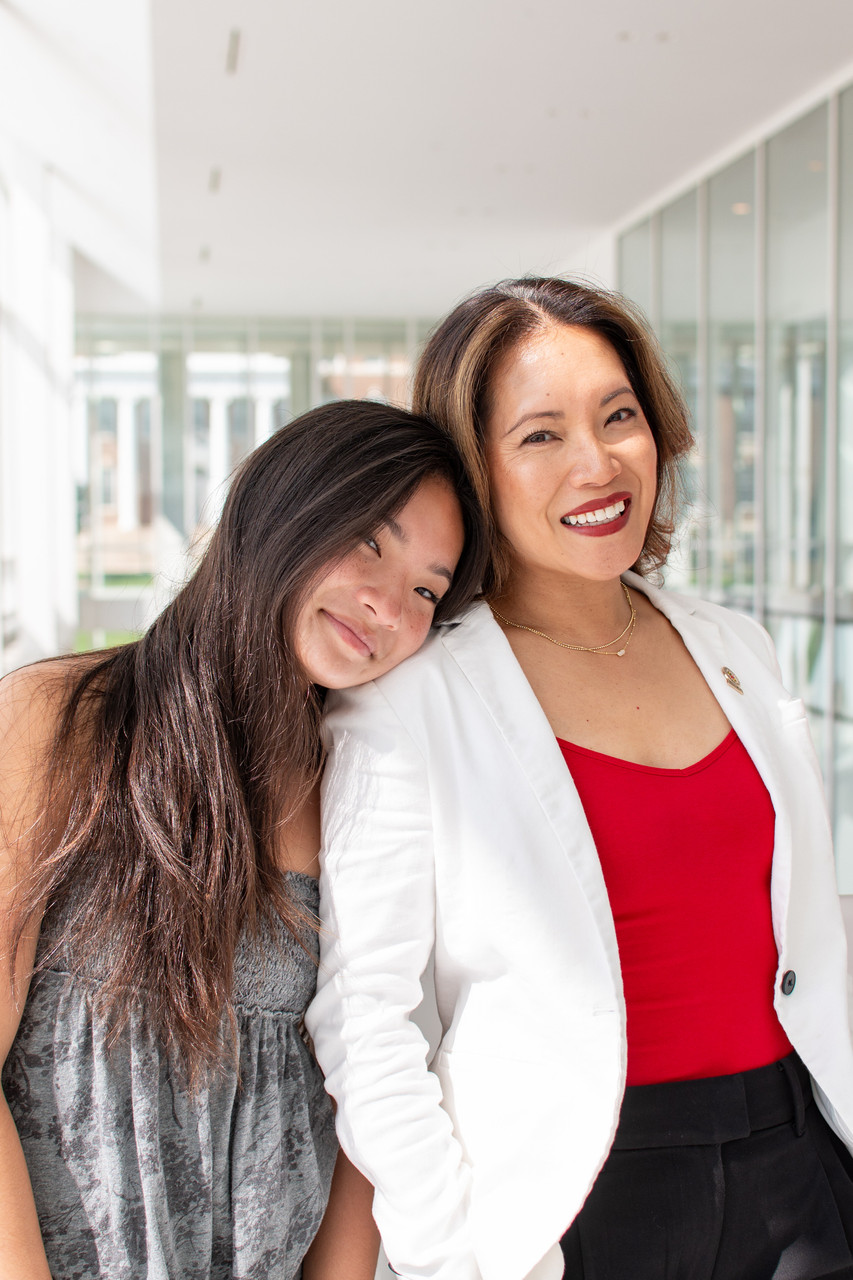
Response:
column 840, row 474
column 678, row 326
column 730, row 413
column 797, row 304
column 164, row 412
column 748, row 279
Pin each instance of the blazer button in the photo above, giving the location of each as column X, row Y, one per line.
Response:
column 789, row 981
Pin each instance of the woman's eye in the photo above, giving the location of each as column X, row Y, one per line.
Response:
column 374, row 546
column 622, row 415
column 428, row 595
column 538, row 437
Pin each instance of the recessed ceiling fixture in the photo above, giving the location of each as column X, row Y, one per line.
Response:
column 741, row 208
column 204, row 253
column 215, row 180
column 232, row 57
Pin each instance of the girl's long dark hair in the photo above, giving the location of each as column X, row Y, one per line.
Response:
column 179, row 760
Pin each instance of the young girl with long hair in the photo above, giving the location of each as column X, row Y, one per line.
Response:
column 162, row 1116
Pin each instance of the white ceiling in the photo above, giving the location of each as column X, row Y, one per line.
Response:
column 384, row 157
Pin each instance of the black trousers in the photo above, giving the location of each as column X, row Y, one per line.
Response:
column 734, row 1178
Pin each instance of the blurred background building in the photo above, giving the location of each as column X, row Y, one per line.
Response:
column 213, row 216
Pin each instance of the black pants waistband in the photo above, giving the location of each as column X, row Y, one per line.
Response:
column 717, row 1109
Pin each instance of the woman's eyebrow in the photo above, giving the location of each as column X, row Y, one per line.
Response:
column 531, row 417
column 620, row 391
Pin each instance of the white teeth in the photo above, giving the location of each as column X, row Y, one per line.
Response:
column 600, row 516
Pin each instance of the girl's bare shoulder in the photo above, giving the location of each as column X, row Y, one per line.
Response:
column 32, row 700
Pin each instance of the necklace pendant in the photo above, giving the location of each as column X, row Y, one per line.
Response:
column 620, row 653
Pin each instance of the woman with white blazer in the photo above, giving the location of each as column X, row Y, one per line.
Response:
column 594, row 801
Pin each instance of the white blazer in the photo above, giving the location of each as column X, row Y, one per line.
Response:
column 450, row 820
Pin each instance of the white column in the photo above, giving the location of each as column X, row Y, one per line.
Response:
column 785, row 487
column 217, row 457
column 263, row 419
column 803, row 472
column 126, row 479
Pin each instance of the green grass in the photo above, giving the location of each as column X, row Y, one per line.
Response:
column 84, row 640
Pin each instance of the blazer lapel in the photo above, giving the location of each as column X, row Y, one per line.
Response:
column 484, row 655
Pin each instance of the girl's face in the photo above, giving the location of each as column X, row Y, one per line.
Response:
column 375, row 608
column 572, row 460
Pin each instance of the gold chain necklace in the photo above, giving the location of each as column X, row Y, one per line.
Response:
column 584, row 648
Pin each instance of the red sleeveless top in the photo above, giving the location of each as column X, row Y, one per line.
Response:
column 686, row 856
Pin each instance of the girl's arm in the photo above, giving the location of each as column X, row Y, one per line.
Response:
column 347, row 1245
column 26, row 724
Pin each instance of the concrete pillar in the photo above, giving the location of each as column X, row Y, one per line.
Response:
column 173, row 394
column 218, row 458
column 127, row 487
column 263, row 419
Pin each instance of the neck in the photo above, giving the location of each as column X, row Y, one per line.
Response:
column 572, row 609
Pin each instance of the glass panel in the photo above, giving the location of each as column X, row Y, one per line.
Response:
column 679, row 335
column 116, row 494
column 797, row 246
column 731, row 378
column 635, row 266
column 844, row 477
column 802, row 657
column 843, row 756
column 843, row 761
column 382, row 364
column 167, row 408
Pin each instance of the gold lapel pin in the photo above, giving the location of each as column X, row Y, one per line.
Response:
column 732, row 680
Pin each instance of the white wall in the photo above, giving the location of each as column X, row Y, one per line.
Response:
column 77, row 173
column 37, row 572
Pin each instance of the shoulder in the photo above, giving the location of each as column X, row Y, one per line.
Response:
column 704, row 614
column 473, row 628
column 32, row 700
column 413, row 702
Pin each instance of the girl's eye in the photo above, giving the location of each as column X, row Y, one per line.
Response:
column 428, row 595
column 622, row 415
column 374, row 546
column 538, row 437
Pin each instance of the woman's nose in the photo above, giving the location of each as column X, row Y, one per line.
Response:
column 593, row 463
column 385, row 603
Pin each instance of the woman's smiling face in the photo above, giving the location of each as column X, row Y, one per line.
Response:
column 572, row 460
column 375, row 607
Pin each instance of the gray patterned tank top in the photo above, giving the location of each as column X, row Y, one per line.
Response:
column 135, row 1179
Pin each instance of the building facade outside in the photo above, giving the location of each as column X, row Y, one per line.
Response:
column 165, row 409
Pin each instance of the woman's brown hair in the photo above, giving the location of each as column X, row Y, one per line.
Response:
column 453, row 377
column 179, row 759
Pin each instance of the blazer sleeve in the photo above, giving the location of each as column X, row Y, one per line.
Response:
column 377, row 930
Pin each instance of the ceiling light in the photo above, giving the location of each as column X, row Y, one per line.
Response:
column 232, row 57
column 741, row 208
column 204, row 253
column 215, row 180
